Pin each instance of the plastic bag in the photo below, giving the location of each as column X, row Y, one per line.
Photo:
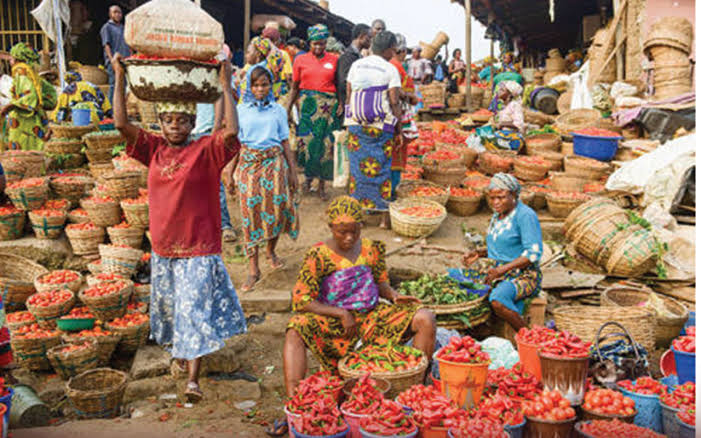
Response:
column 501, row 352
column 341, row 161
column 621, row 89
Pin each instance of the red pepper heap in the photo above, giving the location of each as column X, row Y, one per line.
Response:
column 536, row 335
column 682, row 395
column 644, row 385
column 431, row 408
column 565, row 344
column 320, row 386
column 365, row 397
column 516, row 382
column 323, row 418
column 686, row 344
column 617, row 429
column 687, row 414
column 463, row 350
column 388, row 420
column 478, row 428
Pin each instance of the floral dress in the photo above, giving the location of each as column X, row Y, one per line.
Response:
column 31, row 96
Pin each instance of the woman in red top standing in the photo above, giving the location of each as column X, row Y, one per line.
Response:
column 194, row 306
column 314, row 78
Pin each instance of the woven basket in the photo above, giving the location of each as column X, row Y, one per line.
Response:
column 147, row 112
column 14, row 326
column 119, row 260
column 93, row 280
column 587, row 168
column 527, row 198
column 594, row 234
column 445, row 176
column 99, row 170
column 105, row 345
column 17, row 276
column 31, row 162
column 46, row 316
column 97, row 393
column 489, row 164
column 433, row 94
column 671, row 31
column 93, row 74
column 14, row 169
column 450, row 309
column 142, row 293
column 47, row 227
column 441, row 164
column 668, row 54
column 132, row 337
column 590, row 208
column 554, row 159
column 72, row 188
column 538, row 202
column 136, row 214
column 131, row 236
column 633, row 256
column 562, row 182
column 29, row 198
column 74, row 218
column 122, row 184
column 109, row 307
column 564, row 102
column 405, row 188
column 72, row 363
column 85, row 242
column 399, row 381
column 95, row 267
column 529, row 171
column 102, row 141
column 464, row 205
column 70, row 131
column 469, row 155
column 561, row 207
column 576, row 119
column 140, row 308
column 542, row 142
column 71, row 146
column 102, row 214
column 30, row 353
column 99, row 156
column 73, row 286
column 457, row 100
column 411, row 226
column 585, row 321
column 12, row 225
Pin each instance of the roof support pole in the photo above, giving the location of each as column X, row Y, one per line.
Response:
column 468, row 53
column 619, row 36
column 246, row 24
column 491, row 68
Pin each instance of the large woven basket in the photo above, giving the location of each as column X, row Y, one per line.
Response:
column 46, row 316
column 99, row 170
column 399, row 381
column 122, row 184
column 109, row 307
column 73, row 286
column 47, row 227
column 563, row 182
column 554, row 159
column 30, row 353
column 585, row 321
column 464, row 205
column 542, row 142
column 29, row 198
column 85, row 242
column 97, row 393
column 559, row 206
column 677, row 32
column 17, row 276
column 426, row 161
column 136, row 214
column 102, row 214
column 469, row 155
column 119, row 260
column 75, row 218
column 633, row 256
column 103, row 140
column 70, row 131
column 14, row 169
column 538, row 202
column 412, row 226
column 530, row 171
column 593, row 234
column 99, row 156
column 69, row 364
column 587, row 168
column 589, row 208
column 12, row 225
column 132, row 337
column 433, row 94
column 445, row 176
column 95, row 267
column 131, row 236
column 576, row 119
column 492, row 163
column 72, row 188
column 32, row 162
column 15, row 325
column 64, row 146
column 105, row 345
column 405, row 188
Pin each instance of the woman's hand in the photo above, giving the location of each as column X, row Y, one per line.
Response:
column 470, row 258
column 350, row 327
column 117, row 65
column 292, row 180
column 405, row 299
column 494, row 274
column 225, row 73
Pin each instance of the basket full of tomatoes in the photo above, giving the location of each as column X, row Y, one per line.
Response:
column 134, row 329
column 424, row 190
column 109, row 299
column 29, row 193
column 47, row 223
column 550, row 414
column 59, row 279
column 106, row 342
column 50, row 305
column 414, row 217
column 72, row 359
column 30, row 344
column 464, row 201
column 19, row 319
column 12, row 222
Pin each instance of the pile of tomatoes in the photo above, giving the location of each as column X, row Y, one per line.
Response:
column 682, row 395
column 574, row 196
column 122, row 225
column 33, row 331
column 451, row 136
column 617, row 429
column 476, row 182
column 130, row 320
column 478, row 428
column 79, row 313
column 101, row 200
column 9, row 210
column 536, row 335
column 443, row 155
column 565, row 344
column 502, row 410
column 86, row 226
column 21, row 316
column 422, row 212
column 464, row 193
column 551, row 406
column 608, row 402
column 389, row 420
column 644, row 385
column 49, row 298
column 45, row 212
column 75, row 347
column 92, row 333
column 102, row 289
column 516, row 382
column 427, row 191
column 597, row 132
column 463, row 350
column 593, row 187
column 57, row 204
column 365, row 397
column 62, row 276
column 26, row 183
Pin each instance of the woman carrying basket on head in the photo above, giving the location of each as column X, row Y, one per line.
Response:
column 194, row 306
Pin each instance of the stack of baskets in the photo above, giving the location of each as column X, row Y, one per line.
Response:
column 17, row 276
column 66, row 145
column 412, row 189
column 492, row 163
column 597, row 55
column 554, row 65
column 415, row 217
column 100, row 145
column 122, row 184
column 669, row 45
column 433, row 95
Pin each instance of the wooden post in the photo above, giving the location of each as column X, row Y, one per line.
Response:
column 619, row 36
column 468, row 53
column 246, row 24
column 491, row 67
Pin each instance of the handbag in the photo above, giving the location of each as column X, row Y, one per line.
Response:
column 618, row 360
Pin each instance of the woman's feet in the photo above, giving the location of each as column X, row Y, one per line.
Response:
column 275, row 261
column 193, row 393
column 250, row 282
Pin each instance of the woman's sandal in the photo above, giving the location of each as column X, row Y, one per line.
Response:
column 279, row 428
column 193, row 393
column 250, row 283
column 276, row 262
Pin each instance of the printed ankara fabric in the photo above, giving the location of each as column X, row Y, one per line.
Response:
column 370, row 153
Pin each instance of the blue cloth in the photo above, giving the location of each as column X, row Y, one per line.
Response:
column 484, row 73
column 370, row 153
column 517, row 235
column 113, row 34
column 262, row 123
column 505, row 293
column 194, row 307
column 396, row 176
column 225, row 218
column 440, row 74
column 204, row 123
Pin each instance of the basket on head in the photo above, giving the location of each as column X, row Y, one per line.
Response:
column 560, row 204
column 542, row 142
column 46, row 316
column 85, row 242
column 64, row 146
column 135, row 213
column 110, row 306
column 464, row 205
column 411, row 225
column 106, row 343
column 47, row 227
column 97, row 393
column 12, row 224
column 119, row 259
column 587, row 168
column 399, row 380
column 530, row 168
column 71, row 187
column 102, row 214
column 99, row 170
column 70, row 131
column 28, row 197
column 451, row 176
column 633, row 256
column 72, row 285
column 147, row 112
column 71, row 363
column 130, row 236
column 122, row 184
column 407, row 189
column 30, row 353
column 17, row 276
column 132, row 337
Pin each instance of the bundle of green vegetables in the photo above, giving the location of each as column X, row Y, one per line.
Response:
column 438, row 289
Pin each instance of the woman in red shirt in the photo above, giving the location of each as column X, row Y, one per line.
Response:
column 194, row 306
column 314, row 78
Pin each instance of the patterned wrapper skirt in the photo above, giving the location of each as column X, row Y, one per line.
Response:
column 370, row 153
column 526, row 281
column 317, row 121
column 267, row 206
column 324, row 337
column 194, row 307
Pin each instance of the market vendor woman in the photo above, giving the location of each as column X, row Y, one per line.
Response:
column 514, row 247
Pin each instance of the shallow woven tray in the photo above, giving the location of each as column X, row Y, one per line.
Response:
column 449, row 309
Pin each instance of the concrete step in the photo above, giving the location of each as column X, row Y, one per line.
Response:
column 266, row 300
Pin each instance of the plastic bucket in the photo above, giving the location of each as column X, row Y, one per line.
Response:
column 649, row 410
column 27, row 409
column 528, row 356
column 353, row 421
column 296, row 434
column 599, row 148
column 567, row 375
column 685, row 430
column 515, row 431
column 463, row 383
column 434, row 432
column 551, row 429
column 670, row 424
column 81, row 117
column 686, row 366
column 407, row 410
column 365, row 434
column 290, row 417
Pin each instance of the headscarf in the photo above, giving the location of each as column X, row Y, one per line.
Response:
column 512, row 87
column 273, row 56
column 344, row 210
column 72, row 76
column 248, row 96
column 176, row 107
column 505, row 181
column 317, row 32
column 23, row 53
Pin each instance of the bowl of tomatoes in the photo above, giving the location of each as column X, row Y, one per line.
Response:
column 49, row 305
column 550, row 414
column 607, row 404
column 59, row 279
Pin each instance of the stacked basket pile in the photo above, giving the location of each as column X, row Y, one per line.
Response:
column 65, row 149
column 554, row 65
column 669, row 45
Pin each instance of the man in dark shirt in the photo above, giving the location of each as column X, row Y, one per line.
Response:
column 361, row 40
column 112, row 34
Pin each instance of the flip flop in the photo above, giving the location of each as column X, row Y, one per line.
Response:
column 279, row 428
column 250, row 285
column 276, row 263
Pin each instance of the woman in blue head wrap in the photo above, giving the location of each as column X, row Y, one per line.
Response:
column 510, row 262
column 79, row 91
column 266, row 174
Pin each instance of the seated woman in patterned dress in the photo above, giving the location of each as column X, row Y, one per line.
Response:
column 514, row 247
